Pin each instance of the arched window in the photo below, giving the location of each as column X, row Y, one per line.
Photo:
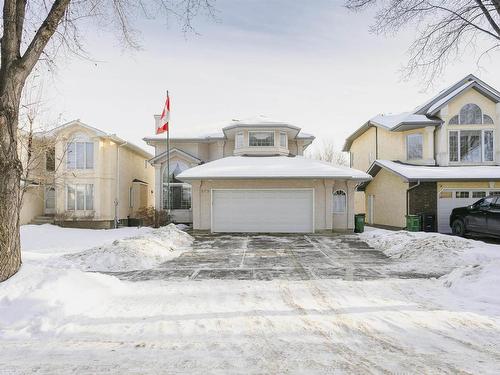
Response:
column 339, row 201
column 487, row 120
column 471, row 114
column 454, row 120
column 179, row 192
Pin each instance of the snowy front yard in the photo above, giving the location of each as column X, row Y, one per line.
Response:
column 56, row 317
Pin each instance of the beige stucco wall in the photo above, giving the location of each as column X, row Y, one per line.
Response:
column 323, row 190
column 468, row 185
column 33, row 202
column 389, row 202
column 363, row 150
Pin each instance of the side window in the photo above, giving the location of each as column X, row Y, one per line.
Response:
column 239, row 140
column 414, row 146
column 339, row 201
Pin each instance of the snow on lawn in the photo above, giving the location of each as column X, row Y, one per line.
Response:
column 141, row 252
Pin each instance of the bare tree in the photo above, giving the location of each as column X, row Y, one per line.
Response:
column 327, row 152
column 447, row 30
column 39, row 30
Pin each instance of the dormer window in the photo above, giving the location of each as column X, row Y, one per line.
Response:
column 239, row 140
column 261, row 139
column 283, row 139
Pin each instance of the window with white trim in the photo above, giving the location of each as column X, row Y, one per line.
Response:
column 471, row 114
column 471, row 146
column 80, row 155
column 176, row 194
column 414, row 146
column 80, row 197
column 261, row 139
column 239, row 140
column 283, row 139
column 339, row 201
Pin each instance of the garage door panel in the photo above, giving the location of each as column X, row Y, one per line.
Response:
column 262, row 211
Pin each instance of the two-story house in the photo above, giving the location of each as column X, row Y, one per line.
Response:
column 81, row 176
column 252, row 177
column 442, row 155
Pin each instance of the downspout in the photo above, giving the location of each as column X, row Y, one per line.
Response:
column 117, row 179
column 407, row 196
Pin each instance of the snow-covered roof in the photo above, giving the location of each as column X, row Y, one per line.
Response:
column 255, row 122
column 431, row 173
column 257, row 167
column 424, row 115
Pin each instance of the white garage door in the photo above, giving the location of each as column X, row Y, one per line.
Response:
column 262, row 210
column 449, row 199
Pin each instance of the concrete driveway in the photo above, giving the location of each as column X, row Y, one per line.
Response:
column 269, row 257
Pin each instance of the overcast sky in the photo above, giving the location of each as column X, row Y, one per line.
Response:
column 311, row 63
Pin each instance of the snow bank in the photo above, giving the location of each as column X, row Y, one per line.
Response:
column 480, row 282
column 140, row 252
column 52, row 239
column 418, row 251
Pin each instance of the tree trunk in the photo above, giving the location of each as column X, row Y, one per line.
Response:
column 10, row 179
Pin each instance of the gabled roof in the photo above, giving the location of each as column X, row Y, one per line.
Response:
column 98, row 133
column 425, row 114
column 432, row 173
column 270, row 167
column 175, row 151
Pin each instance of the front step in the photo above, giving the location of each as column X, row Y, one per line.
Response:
column 43, row 219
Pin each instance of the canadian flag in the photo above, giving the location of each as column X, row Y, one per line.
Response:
column 165, row 118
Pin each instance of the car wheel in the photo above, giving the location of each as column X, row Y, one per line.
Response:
column 458, row 228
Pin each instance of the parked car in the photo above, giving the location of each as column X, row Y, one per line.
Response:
column 482, row 217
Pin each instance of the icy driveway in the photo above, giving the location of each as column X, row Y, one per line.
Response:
column 270, row 257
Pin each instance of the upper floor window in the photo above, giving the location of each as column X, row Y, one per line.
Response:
column 414, row 146
column 239, row 140
column 283, row 139
column 471, row 146
column 470, row 114
column 258, row 139
column 80, row 155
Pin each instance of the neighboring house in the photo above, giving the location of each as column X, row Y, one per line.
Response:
column 81, row 176
column 442, row 155
column 252, row 177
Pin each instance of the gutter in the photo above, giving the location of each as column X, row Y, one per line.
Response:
column 117, row 179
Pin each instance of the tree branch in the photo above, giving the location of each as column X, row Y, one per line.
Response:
column 489, row 18
column 43, row 34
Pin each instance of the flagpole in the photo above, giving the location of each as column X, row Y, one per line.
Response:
column 168, row 166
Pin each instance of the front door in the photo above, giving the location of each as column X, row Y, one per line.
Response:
column 50, row 200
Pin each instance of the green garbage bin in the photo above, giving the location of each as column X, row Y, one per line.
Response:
column 359, row 223
column 413, row 223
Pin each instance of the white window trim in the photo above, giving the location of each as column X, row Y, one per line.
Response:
column 242, row 145
column 419, row 135
column 344, row 209
column 459, row 161
column 84, row 198
column 262, row 131
column 85, row 142
column 286, row 140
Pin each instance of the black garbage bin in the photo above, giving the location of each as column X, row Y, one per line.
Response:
column 428, row 222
